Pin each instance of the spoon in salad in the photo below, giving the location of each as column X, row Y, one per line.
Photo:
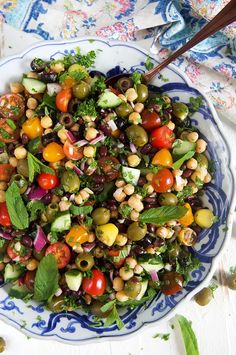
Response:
column 225, row 17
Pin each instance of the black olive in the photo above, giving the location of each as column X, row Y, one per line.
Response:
column 38, row 65
column 124, row 84
column 73, row 105
column 48, row 76
column 49, row 138
column 121, row 123
column 94, row 73
column 183, row 124
column 66, row 119
column 123, row 160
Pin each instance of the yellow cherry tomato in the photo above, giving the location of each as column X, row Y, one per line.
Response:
column 187, row 236
column 187, row 219
column 76, row 236
column 163, row 158
column 53, row 152
column 32, row 128
column 68, row 82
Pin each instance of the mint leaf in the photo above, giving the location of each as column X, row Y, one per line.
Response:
column 134, row 303
column 162, row 214
column 46, row 280
column 189, row 338
column 177, row 164
column 108, row 306
column 35, row 208
column 36, row 166
column 17, row 211
column 114, row 317
column 81, row 210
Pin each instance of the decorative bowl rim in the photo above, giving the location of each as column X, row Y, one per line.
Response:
column 189, row 296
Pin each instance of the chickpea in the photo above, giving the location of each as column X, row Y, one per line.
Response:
column 133, row 160
column 162, row 232
column 193, row 186
column 138, row 269
column 149, row 188
column 75, row 127
column 192, row 137
column 134, row 216
column 78, row 199
column 29, row 113
column 62, row 134
column 138, row 107
column 131, row 262
column 84, row 194
column 2, row 266
column 46, row 122
column 201, row 146
column 55, row 199
column 32, row 75
column 122, row 97
column 69, row 164
column 207, row 178
column 91, row 133
column 119, row 195
column 120, row 183
column 16, row 88
column 121, row 296
column 91, row 237
column 32, row 103
column 192, row 164
column 13, row 161
column 135, row 202
column 118, row 284
column 171, row 125
column 126, row 274
column 3, row 185
column 89, row 152
column 57, row 67
column 64, row 205
column 2, row 196
column 121, row 240
column 135, row 118
column 177, row 172
column 131, row 95
column 20, row 153
column 149, row 176
column 47, row 130
column 32, row 264
column 128, row 189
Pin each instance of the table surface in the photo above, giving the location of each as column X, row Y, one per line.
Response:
column 214, row 325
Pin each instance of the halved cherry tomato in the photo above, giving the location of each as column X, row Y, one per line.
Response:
column 18, row 252
column 163, row 180
column 32, row 128
column 6, row 171
column 150, row 119
column 12, row 106
column 162, row 137
column 61, row 252
column 171, row 283
column 95, row 285
column 68, row 82
column 163, row 158
column 77, row 235
column 72, row 152
column 187, row 219
column 63, row 98
column 48, row 181
column 4, row 215
column 7, row 133
column 53, row 152
column 114, row 254
column 110, row 166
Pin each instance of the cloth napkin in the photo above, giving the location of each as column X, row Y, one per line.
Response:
column 166, row 24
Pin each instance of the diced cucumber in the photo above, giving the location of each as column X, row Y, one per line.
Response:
column 153, row 264
column 109, row 99
column 73, row 279
column 61, row 223
column 130, row 175
column 144, row 286
column 19, row 291
column 34, row 86
column 12, row 272
column 181, row 147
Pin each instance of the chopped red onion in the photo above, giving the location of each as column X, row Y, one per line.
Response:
column 120, row 145
column 21, row 281
column 36, row 193
column 81, row 143
column 40, row 239
column 154, row 275
column 78, row 170
column 88, row 247
column 82, row 165
column 53, row 88
column 71, row 137
column 133, row 148
column 5, row 235
column 111, row 275
column 72, row 197
column 99, row 138
column 112, row 125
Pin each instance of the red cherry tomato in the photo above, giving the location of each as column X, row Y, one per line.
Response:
column 114, row 254
column 162, row 137
column 110, row 167
column 163, row 180
column 150, row 119
column 48, row 181
column 12, row 106
column 171, row 283
column 7, row 133
column 6, row 171
column 18, row 252
column 61, row 252
column 95, row 285
column 63, row 98
column 72, row 152
column 4, row 215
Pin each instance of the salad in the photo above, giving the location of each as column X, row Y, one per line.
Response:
column 100, row 189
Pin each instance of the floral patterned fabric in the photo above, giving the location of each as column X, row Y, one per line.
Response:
column 211, row 65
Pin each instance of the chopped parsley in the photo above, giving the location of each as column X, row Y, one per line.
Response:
column 162, row 336
column 98, row 86
column 87, row 108
column 136, row 77
column 4, row 134
column 125, row 210
column 78, row 75
column 149, row 64
column 195, row 103
column 199, row 183
column 11, row 123
column 185, row 193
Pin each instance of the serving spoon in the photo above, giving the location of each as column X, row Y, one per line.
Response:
column 225, row 17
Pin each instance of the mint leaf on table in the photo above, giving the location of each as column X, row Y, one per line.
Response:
column 177, row 164
column 81, row 210
column 17, row 211
column 188, row 335
column 36, row 166
column 162, row 214
column 46, row 280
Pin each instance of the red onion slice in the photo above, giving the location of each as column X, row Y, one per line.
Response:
column 154, row 275
column 40, row 239
column 133, row 148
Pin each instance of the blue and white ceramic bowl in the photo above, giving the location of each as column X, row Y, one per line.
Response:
column 33, row 319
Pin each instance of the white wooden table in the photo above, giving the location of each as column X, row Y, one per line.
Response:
column 214, row 325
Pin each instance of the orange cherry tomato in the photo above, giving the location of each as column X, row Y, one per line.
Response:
column 7, row 133
column 32, row 128
column 95, row 285
column 162, row 137
column 61, row 252
column 72, row 152
column 48, row 181
column 12, row 106
column 77, row 235
column 187, row 219
column 68, row 82
column 6, row 171
column 4, row 215
column 53, row 152
column 163, row 157
column 18, row 252
column 63, row 98
column 163, row 180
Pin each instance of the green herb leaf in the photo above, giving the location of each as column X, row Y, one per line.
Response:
column 151, row 259
column 16, row 208
column 162, row 214
column 103, row 196
column 136, row 77
column 75, row 210
column 98, row 85
column 232, row 270
column 36, row 166
column 125, row 210
column 77, row 75
column 186, row 264
column 185, row 193
column 189, row 338
column 162, row 336
column 46, row 280
column 134, row 303
column 195, row 103
column 108, row 306
column 122, row 254
column 11, row 123
column 35, row 208
column 177, row 164
column 114, row 317
column 149, row 64
column 87, row 108
column 199, row 183
column 34, row 145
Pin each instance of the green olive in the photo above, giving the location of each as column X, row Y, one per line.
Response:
column 2, row 345
column 137, row 135
column 39, row 254
column 132, row 287
column 204, row 296
column 70, row 181
column 136, row 231
column 231, row 281
column 101, row 216
column 124, row 110
column 57, row 304
column 22, row 168
column 180, row 110
column 84, row 261
column 77, row 68
column 202, row 160
column 124, row 84
column 51, row 211
column 21, row 182
column 81, row 90
column 95, row 308
column 168, row 199
column 142, row 91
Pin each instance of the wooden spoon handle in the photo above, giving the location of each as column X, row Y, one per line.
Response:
column 226, row 16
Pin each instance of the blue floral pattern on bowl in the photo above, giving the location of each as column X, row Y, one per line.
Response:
column 75, row 327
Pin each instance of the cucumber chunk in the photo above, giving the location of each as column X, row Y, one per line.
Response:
column 73, row 279
column 61, row 223
column 144, row 286
column 19, row 291
column 108, row 100
column 130, row 175
column 12, row 272
column 34, row 86
column 182, row 147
